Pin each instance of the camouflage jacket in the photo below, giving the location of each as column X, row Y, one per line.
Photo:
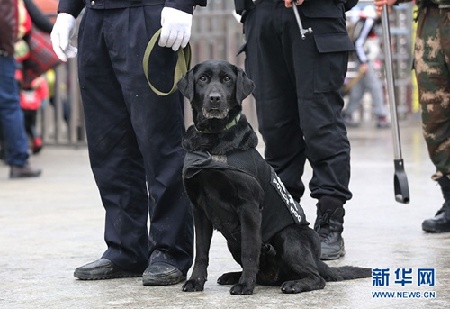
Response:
column 445, row 3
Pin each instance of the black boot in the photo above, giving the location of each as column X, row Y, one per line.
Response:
column 441, row 221
column 330, row 225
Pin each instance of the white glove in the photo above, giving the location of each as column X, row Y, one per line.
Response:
column 62, row 33
column 176, row 28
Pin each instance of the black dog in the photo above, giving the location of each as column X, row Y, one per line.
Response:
column 235, row 191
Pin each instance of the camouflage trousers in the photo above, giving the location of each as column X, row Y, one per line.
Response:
column 432, row 67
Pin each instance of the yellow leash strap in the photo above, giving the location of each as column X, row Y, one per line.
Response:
column 182, row 66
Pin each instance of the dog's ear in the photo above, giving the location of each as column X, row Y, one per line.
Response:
column 186, row 85
column 244, row 85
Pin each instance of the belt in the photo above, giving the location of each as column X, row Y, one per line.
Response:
column 4, row 53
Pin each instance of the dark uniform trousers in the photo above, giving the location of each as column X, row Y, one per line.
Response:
column 297, row 92
column 134, row 138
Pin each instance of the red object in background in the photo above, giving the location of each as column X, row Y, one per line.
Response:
column 31, row 99
column 41, row 59
column 48, row 7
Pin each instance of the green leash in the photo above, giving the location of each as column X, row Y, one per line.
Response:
column 182, row 66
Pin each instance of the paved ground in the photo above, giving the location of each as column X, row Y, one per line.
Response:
column 51, row 225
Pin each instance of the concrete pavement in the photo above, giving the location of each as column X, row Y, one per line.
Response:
column 53, row 224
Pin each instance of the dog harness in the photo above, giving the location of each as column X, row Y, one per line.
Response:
column 279, row 209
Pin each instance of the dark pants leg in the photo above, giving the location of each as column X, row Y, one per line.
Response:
column 11, row 117
column 29, row 118
column 276, row 100
column 297, row 100
column 2, row 144
column 134, row 139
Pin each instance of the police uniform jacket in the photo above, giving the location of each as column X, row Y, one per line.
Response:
column 74, row 7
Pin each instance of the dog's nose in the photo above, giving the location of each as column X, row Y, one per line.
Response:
column 214, row 98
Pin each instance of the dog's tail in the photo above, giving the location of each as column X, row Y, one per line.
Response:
column 343, row 273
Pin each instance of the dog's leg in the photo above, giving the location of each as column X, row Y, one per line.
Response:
column 300, row 253
column 250, row 219
column 203, row 234
column 303, row 285
column 308, row 274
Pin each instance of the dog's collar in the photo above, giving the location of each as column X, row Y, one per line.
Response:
column 229, row 125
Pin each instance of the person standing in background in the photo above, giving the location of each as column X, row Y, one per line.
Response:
column 33, row 91
column 11, row 117
column 31, row 101
column 133, row 135
column 365, row 65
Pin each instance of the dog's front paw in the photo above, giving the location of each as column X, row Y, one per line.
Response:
column 291, row 287
column 229, row 278
column 303, row 285
column 192, row 285
column 242, row 289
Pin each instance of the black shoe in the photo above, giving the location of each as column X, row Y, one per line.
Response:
column 24, row 171
column 329, row 226
column 161, row 273
column 102, row 269
column 440, row 223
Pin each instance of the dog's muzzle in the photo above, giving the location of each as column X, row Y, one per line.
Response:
column 215, row 106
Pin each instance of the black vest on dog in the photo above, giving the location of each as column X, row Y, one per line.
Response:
column 279, row 209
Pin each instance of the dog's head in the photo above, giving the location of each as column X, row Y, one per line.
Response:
column 215, row 89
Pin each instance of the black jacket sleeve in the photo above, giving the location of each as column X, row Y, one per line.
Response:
column 72, row 7
column 40, row 20
column 8, row 29
column 186, row 6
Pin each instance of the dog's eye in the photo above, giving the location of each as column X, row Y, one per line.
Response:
column 203, row 78
column 226, row 78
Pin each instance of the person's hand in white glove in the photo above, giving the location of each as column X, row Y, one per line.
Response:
column 176, row 28
column 62, row 33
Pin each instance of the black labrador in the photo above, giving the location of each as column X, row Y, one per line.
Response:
column 233, row 190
